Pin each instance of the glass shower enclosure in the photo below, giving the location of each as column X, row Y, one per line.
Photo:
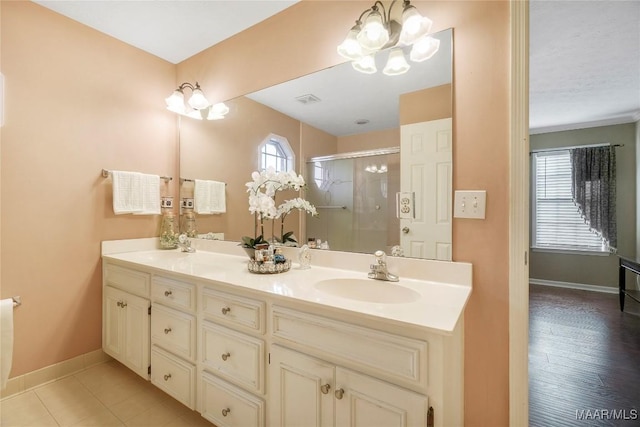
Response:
column 354, row 194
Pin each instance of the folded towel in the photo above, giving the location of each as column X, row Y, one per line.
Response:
column 127, row 192
column 209, row 197
column 150, row 187
column 135, row 193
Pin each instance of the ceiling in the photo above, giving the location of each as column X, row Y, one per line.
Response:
column 584, row 55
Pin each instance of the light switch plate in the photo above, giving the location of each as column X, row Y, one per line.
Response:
column 470, row 204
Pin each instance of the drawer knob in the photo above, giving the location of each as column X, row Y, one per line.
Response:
column 168, row 293
column 123, row 304
column 167, row 377
column 325, row 388
column 339, row 393
column 225, row 310
column 119, row 303
column 225, row 356
column 167, row 330
column 226, row 412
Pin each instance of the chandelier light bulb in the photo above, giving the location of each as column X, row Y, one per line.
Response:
column 424, row 49
column 374, row 35
column 350, row 48
column 175, row 102
column 366, row 65
column 197, row 100
column 396, row 64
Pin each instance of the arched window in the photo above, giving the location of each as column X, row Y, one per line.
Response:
column 276, row 152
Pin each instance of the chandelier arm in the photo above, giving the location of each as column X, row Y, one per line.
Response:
column 384, row 10
column 391, row 7
column 189, row 85
column 359, row 20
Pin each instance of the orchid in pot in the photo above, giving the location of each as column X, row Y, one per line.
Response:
column 262, row 204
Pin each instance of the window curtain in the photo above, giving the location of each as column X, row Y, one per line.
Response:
column 594, row 189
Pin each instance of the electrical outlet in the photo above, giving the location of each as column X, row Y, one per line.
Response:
column 470, row 204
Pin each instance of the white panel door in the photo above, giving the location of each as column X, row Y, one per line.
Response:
column 426, row 171
column 137, row 337
column 363, row 401
column 301, row 389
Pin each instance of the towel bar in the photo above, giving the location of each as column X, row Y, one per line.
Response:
column 183, row 180
column 106, row 173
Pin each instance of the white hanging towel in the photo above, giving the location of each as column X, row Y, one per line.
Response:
column 209, row 197
column 150, row 187
column 135, row 193
column 127, row 192
column 6, row 340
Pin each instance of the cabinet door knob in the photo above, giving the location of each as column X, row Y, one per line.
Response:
column 225, row 356
column 167, row 330
column 168, row 293
column 123, row 304
column 405, row 230
column 325, row 388
column 167, row 377
column 339, row 393
column 226, row 412
column 119, row 303
column 225, row 310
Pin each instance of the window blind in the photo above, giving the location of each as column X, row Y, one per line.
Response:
column 557, row 222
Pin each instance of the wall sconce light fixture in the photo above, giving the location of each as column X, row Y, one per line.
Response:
column 375, row 30
column 197, row 107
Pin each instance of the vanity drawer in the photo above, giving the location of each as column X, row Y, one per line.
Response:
column 233, row 310
column 174, row 331
column 233, row 355
column 393, row 356
column 173, row 376
column 173, row 293
column 228, row 406
column 132, row 281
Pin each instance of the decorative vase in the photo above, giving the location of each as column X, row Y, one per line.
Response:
column 168, row 234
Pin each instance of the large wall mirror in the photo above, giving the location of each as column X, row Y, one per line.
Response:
column 375, row 151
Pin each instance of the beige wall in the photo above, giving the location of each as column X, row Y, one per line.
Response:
column 425, row 105
column 590, row 269
column 76, row 101
column 47, row 58
column 369, row 141
column 277, row 50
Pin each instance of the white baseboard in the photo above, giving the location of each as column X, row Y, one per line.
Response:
column 21, row 383
column 570, row 285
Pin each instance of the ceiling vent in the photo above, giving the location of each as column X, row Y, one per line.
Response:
column 307, row 99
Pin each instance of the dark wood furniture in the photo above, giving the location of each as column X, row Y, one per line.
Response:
column 633, row 265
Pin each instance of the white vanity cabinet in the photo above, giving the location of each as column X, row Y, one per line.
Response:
column 306, row 391
column 125, row 312
column 249, row 350
column 232, row 357
column 173, row 338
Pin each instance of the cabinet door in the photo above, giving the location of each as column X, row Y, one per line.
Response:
column 137, row 336
column 112, row 328
column 301, row 390
column 363, row 401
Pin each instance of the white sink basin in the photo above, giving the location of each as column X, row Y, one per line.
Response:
column 368, row 290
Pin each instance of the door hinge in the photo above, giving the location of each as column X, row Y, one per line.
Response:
column 430, row 422
column 526, row 257
column 269, row 359
column 149, row 310
column 149, row 370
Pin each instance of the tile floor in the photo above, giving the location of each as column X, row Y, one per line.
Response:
column 107, row 394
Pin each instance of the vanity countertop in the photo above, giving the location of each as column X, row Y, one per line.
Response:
column 434, row 305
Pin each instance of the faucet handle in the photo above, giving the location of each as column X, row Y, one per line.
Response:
column 380, row 256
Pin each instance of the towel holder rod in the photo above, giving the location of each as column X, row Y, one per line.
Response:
column 106, row 173
column 182, row 180
column 17, row 301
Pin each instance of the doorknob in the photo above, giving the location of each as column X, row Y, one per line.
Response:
column 405, row 230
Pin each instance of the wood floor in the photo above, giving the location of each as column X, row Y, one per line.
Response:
column 584, row 359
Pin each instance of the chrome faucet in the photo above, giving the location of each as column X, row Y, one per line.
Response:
column 185, row 244
column 379, row 269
